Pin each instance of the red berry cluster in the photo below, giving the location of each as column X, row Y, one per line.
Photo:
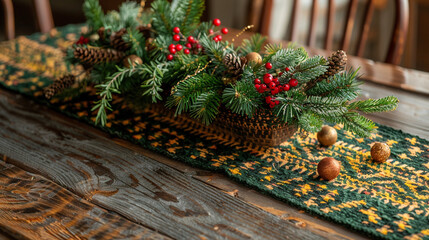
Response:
column 218, row 37
column 82, row 40
column 191, row 45
column 272, row 85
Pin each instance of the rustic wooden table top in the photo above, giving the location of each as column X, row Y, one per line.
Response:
column 61, row 179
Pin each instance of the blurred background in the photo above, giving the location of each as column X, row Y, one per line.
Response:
column 235, row 13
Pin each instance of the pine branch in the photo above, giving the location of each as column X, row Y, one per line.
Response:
column 129, row 11
column 254, row 44
column 106, row 91
column 153, row 83
column 94, row 14
column 310, row 122
column 242, row 98
column 206, row 107
column 162, row 17
column 186, row 92
column 310, row 69
column 188, row 14
column 343, row 85
column 385, row 104
column 136, row 40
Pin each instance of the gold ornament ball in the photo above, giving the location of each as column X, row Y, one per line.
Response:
column 134, row 59
column 380, row 152
column 328, row 168
column 327, row 136
column 254, row 57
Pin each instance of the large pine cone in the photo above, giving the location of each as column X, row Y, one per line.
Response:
column 117, row 42
column 59, row 85
column 97, row 55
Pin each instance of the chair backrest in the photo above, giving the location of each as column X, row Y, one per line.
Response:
column 397, row 41
column 43, row 12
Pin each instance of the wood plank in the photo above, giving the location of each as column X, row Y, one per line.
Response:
column 33, row 207
column 118, row 179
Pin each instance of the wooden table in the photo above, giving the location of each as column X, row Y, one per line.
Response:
column 61, row 179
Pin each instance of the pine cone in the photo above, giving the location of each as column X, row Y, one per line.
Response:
column 234, row 63
column 145, row 30
column 97, row 55
column 59, row 85
column 102, row 33
column 117, row 42
column 337, row 63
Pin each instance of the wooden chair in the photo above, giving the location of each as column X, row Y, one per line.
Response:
column 397, row 41
column 43, row 12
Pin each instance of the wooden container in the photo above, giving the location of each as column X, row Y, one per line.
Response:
column 263, row 129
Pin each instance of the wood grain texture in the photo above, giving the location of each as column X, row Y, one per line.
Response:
column 118, row 179
column 33, row 207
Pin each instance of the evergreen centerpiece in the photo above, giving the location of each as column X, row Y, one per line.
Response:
column 166, row 55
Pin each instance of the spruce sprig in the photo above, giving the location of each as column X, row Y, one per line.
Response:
column 254, row 44
column 206, row 107
column 385, row 104
column 94, row 14
column 242, row 98
column 106, row 91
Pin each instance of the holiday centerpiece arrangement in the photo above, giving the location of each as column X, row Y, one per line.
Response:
column 166, row 57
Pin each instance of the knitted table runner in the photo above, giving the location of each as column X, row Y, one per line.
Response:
column 389, row 200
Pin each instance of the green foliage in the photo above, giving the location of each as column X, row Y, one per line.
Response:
column 106, row 91
column 214, row 50
column 310, row 122
column 289, row 57
column 254, row 44
column 128, row 12
column 94, row 14
column 242, row 98
column 162, row 17
column 188, row 14
column 206, row 107
column 152, row 79
column 343, row 85
column 311, row 69
column 385, row 104
column 187, row 91
column 136, row 40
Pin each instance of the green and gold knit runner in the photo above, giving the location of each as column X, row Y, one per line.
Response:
column 389, row 200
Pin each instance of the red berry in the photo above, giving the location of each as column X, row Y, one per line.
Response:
column 276, row 81
column 188, row 45
column 179, row 47
column 216, row 39
column 219, row 37
column 170, row 57
column 268, row 99
column 272, row 105
column 286, row 87
column 224, row 30
column 277, row 102
column 172, row 50
column 199, row 46
column 260, row 90
column 280, row 74
column 191, row 39
column 211, row 31
column 216, row 22
column 176, row 29
column 267, row 75
column 257, row 86
column 268, row 65
column 257, row 81
column 272, row 85
column 293, row 82
column 186, row 51
column 172, row 46
column 287, row 69
column 263, row 87
column 176, row 37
